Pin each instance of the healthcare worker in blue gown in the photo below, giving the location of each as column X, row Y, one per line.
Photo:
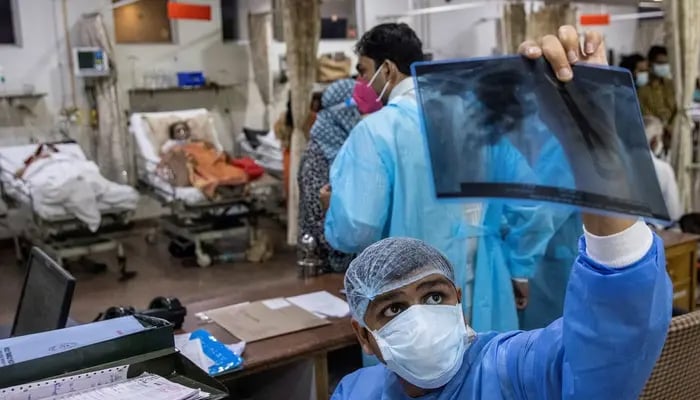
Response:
column 381, row 186
column 543, row 152
column 405, row 309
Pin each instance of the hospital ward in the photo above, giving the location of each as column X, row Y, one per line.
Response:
column 349, row 199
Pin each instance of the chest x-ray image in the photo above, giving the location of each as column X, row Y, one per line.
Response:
column 507, row 128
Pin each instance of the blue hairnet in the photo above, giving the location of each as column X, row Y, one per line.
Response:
column 387, row 265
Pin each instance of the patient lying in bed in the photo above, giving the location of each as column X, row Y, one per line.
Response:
column 64, row 179
column 188, row 162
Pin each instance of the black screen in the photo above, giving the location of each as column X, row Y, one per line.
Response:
column 229, row 19
column 7, row 27
column 334, row 28
column 46, row 296
column 86, row 60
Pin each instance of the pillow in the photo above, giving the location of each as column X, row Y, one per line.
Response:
column 201, row 128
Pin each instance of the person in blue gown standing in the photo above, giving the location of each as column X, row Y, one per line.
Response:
column 381, row 186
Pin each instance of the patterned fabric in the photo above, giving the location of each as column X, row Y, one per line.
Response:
column 675, row 374
column 333, row 125
column 658, row 99
column 313, row 174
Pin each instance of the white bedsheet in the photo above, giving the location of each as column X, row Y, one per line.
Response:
column 268, row 154
column 65, row 184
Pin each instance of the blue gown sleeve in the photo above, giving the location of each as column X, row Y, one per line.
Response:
column 606, row 344
column 360, row 194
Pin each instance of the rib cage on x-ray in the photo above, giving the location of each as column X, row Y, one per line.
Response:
column 492, row 124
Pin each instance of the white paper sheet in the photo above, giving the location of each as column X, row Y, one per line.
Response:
column 322, row 304
column 61, row 386
column 30, row 347
column 276, row 304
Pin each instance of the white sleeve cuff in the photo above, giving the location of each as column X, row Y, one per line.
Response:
column 520, row 280
column 621, row 249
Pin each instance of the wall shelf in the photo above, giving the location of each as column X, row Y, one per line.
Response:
column 20, row 95
column 177, row 89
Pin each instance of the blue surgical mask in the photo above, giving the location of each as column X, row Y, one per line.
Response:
column 662, row 70
column 425, row 344
column 696, row 96
column 642, row 79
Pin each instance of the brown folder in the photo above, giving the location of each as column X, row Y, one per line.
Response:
column 264, row 319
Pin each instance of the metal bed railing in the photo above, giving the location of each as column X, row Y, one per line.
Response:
column 147, row 172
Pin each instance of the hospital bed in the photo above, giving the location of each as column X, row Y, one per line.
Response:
column 52, row 227
column 193, row 219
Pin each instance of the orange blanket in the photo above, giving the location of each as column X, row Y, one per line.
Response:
column 201, row 165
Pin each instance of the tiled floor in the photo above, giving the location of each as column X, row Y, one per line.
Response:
column 158, row 275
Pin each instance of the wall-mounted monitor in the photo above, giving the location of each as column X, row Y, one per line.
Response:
column 90, row 62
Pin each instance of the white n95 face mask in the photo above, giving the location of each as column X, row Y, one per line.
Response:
column 425, row 344
column 642, row 79
column 662, row 70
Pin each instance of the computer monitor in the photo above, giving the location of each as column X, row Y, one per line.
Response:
column 46, row 296
column 90, row 62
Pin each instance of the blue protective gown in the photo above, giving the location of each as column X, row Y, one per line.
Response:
column 605, row 346
column 382, row 187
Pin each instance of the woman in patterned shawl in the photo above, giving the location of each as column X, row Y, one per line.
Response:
column 333, row 125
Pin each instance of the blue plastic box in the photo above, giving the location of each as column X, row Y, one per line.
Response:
column 190, row 79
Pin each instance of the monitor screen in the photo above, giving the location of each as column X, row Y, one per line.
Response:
column 506, row 128
column 86, row 59
column 46, row 296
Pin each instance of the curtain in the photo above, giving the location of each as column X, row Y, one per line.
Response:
column 650, row 32
column 110, row 141
column 548, row 19
column 514, row 27
column 302, row 31
column 259, row 38
column 517, row 24
column 683, row 41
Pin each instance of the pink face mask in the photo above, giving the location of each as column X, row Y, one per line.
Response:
column 365, row 97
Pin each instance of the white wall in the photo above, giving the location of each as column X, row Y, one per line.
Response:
column 472, row 32
column 36, row 62
column 619, row 36
column 42, row 61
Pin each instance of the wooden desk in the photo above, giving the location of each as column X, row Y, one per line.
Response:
column 312, row 344
column 681, row 263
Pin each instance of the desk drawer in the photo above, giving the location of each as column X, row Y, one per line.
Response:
column 682, row 296
column 679, row 267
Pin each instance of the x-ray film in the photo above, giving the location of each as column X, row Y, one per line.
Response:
column 507, row 128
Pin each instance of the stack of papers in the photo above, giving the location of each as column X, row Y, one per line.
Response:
column 321, row 304
column 108, row 384
column 146, row 386
column 30, row 347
